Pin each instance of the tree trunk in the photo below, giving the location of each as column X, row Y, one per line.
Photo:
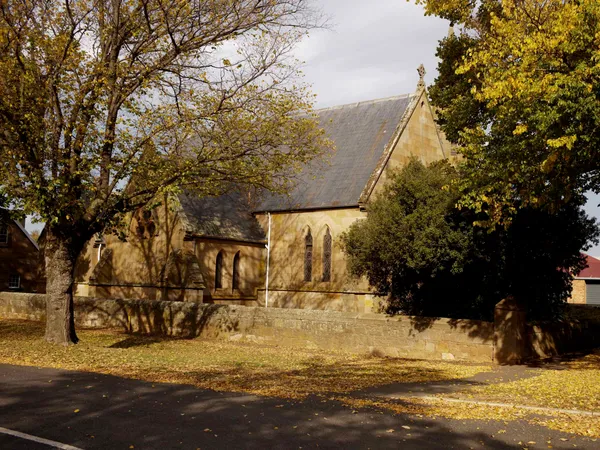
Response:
column 60, row 255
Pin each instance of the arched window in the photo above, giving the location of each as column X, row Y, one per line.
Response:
column 327, row 256
column 219, row 271
column 308, row 254
column 235, row 282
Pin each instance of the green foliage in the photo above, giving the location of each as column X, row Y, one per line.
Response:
column 423, row 252
column 518, row 92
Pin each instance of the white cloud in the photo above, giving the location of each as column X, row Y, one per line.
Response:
column 372, row 50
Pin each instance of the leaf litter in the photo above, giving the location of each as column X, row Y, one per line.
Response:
column 293, row 374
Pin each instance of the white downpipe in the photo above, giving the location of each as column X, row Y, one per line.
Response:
column 268, row 262
column 99, row 251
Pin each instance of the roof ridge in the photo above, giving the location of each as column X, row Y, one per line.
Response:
column 365, row 102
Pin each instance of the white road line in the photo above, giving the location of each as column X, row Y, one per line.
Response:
column 38, row 439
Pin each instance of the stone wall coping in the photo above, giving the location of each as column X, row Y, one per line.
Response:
column 323, row 315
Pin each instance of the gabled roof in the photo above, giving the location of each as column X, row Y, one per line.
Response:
column 362, row 133
column 228, row 216
column 592, row 270
column 27, row 235
column 20, row 227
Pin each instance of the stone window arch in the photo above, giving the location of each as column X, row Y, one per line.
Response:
column 219, row 271
column 235, row 281
column 308, row 256
column 327, row 244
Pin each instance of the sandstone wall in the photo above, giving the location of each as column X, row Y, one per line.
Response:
column 286, row 278
column 396, row 336
column 579, row 331
column 252, row 265
column 421, row 139
column 131, row 269
column 509, row 340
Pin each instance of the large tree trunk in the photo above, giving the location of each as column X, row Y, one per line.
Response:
column 60, row 255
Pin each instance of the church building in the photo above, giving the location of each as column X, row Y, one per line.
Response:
column 273, row 251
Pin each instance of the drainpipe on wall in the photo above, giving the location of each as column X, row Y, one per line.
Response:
column 268, row 262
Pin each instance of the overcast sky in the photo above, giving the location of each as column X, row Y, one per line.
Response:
column 372, row 51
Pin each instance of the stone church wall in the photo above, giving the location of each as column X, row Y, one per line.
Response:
column 287, row 288
column 420, row 139
column 132, row 268
column 251, row 270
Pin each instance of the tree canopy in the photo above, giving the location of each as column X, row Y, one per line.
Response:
column 422, row 252
column 106, row 104
column 518, row 91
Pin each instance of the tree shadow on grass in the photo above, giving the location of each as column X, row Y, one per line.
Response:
column 253, row 367
column 142, row 341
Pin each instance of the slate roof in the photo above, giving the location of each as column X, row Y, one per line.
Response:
column 227, row 216
column 592, row 270
column 361, row 132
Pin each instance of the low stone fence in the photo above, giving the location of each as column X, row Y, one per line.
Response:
column 579, row 331
column 392, row 336
column 509, row 339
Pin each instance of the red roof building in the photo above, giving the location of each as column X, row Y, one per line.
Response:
column 586, row 286
column 592, row 271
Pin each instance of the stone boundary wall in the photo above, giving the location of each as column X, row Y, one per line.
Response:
column 508, row 340
column 403, row 336
column 580, row 331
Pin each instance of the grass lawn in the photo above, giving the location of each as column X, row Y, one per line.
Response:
column 220, row 365
column 571, row 384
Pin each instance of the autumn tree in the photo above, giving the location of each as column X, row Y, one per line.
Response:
column 519, row 92
column 429, row 259
column 108, row 104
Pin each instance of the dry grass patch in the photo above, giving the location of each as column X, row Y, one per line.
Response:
column 571, row 384
column 574, row 424
column 219, row 365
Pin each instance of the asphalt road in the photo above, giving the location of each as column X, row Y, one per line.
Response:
column 90, row 411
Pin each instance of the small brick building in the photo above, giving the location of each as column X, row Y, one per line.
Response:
column 20, row 259
column 586, row 285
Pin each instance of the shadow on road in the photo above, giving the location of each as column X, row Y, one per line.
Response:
column 94, row 411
